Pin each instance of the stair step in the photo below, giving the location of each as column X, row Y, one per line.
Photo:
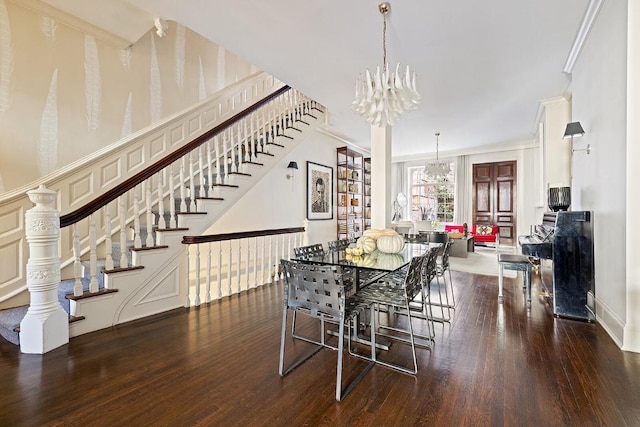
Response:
column 87, row 294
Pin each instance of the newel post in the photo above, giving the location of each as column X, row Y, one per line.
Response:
column 46, row 324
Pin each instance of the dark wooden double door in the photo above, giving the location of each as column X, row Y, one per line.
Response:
column 494, row 197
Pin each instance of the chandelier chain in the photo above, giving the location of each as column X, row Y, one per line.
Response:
column 384, row 42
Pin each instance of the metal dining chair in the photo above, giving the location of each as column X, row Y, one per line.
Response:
column 448, row 302
column 393, row 292
column 318, row 291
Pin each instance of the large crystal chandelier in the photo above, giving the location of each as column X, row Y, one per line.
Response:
column 438, row 169
column 382, row 98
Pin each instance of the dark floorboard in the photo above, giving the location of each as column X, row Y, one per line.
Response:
column 493, row 365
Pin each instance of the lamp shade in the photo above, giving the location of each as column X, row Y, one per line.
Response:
column 573, row 129
column 292, row 165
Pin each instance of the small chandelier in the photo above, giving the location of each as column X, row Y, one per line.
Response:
column 439, row 169
column 382, row 98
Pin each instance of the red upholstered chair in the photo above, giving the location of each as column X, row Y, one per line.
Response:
column 486, row 234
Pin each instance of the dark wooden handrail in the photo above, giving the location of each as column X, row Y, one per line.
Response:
column 114, row 193
column 192, row 240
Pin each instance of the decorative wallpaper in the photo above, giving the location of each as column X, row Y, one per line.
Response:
column 65, row 95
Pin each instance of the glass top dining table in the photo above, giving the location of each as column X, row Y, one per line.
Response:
column 369, row 267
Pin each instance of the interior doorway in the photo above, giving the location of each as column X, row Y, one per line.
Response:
column 494, row 197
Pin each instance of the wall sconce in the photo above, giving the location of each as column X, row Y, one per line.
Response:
column 575, row 129
column 293, row 166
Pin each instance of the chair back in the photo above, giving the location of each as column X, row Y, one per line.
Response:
column 416, row 238
column 445, row 255
column 311, row 250
column 338, row 245
column 430, row 265
column 316, row 289
column 413, row 279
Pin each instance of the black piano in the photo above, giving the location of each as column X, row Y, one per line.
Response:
column 564, row 245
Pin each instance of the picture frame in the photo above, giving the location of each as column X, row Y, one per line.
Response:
column 319, row 191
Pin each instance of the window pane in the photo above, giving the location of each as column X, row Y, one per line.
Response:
column 432, row 198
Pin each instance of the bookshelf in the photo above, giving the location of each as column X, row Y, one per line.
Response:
column 351, row 199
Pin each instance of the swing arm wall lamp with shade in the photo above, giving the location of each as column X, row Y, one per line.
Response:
column 574, row 129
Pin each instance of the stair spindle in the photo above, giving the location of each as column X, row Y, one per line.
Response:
column 203, row 177
column 197, row 296
column 124, row 261
column 192, row 184
column 137, row 242
column 207, row 298
column 149, row 240
column 239, row 269
column 230, row 268
column 219, row 270
column 187, row 302
column 93, row 257
column 183, row 192
column 172, row 199
column 108, row 243
column 77, row 264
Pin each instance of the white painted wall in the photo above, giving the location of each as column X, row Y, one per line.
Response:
column 277, row 202
column 599, row 91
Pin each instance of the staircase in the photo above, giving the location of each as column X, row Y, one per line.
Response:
column 148, row 213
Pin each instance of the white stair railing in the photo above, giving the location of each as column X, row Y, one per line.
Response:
column 244, row 269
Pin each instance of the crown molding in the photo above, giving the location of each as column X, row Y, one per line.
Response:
column 583, row 32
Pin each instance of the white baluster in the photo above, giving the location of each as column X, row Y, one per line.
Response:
column 187, row 303
column 183, row 191
column 197, row 297
column 239, row 270
column 252, row 137
column 225, row 152
column 137, row 242
column 229, row 268
column 263, row 261
column 124, row 261
column 77, row 263
column 218, row 170
column 220, row 270
column 173, row 221
column 275, row 263
column 162, row 222
column 93, row 258
column 149, row 240
column 208, row 290
column 108, row 243
column 209, row 169
column 246, row 263
column 255, row 263
column 192, row 185
column 203, row 177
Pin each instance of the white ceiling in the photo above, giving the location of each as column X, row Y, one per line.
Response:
column 482, row 66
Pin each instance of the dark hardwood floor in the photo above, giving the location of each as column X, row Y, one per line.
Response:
column 494, row 365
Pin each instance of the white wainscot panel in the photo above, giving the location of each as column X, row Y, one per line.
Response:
column 176, row 134
column 111, row 172
column 12, row 222
column 81, row 190
column 135, row 159
column 195, row 125
column 157, row 147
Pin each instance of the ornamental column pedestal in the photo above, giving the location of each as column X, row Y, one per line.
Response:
column 46, row 324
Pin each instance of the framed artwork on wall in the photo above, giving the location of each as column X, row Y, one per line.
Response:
column 319, row 191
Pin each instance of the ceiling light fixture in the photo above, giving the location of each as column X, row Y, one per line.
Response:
column 381, row 99
column 438, row 169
